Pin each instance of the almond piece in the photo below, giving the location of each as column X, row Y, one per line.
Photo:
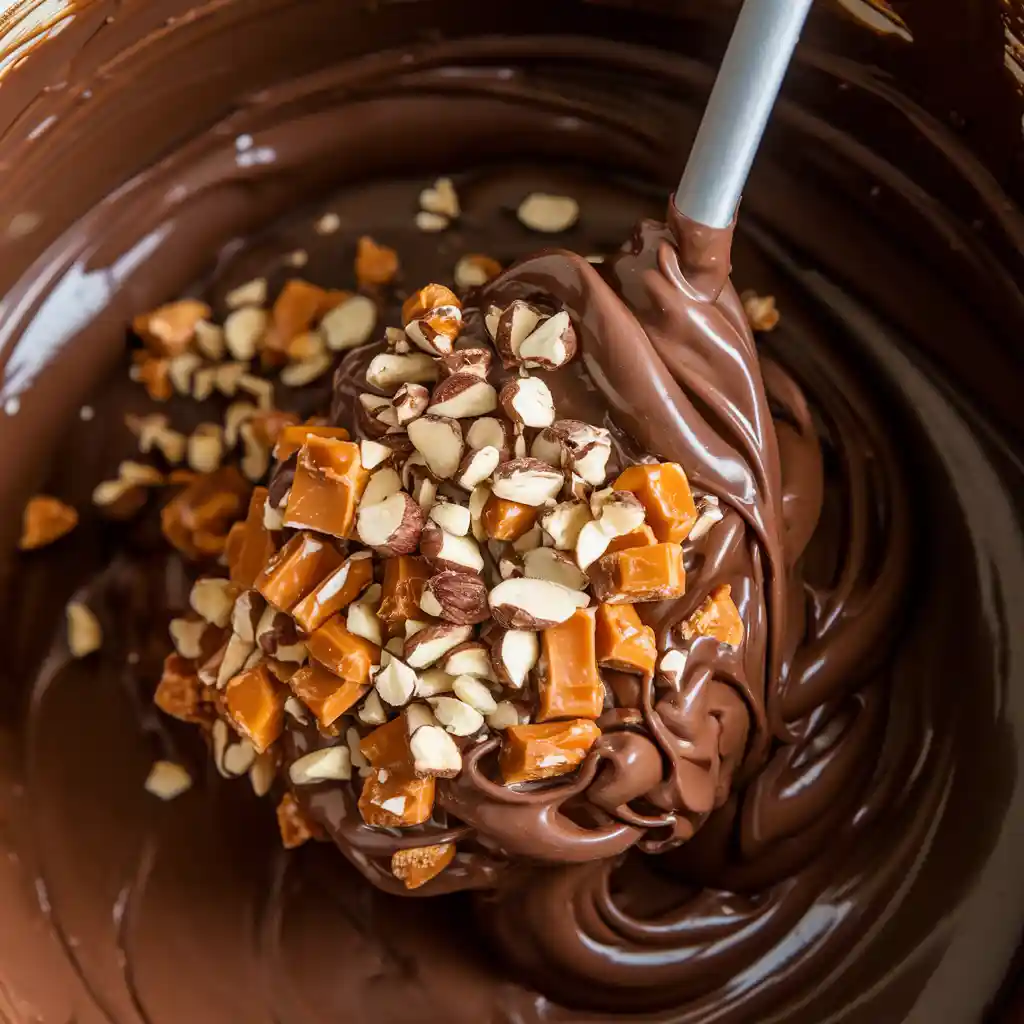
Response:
column 439, row 440
column 527, row 481
column 433, row 681
column 436, row 331
column 549, row 214
column 244, row 330
column 392, row 526
column 491, row 432
column 252, row 293
column 549, row 564
column 476, row 467
column 330, row 764
column 514, row 653
column 471, row 658
column 452, row 518
column 429, row 645
column 514, row 325
column 389, row 370
column 213, row 600
column 531, row 604
column 527, row 400
column 564, row 522
column 458, row 597
column 445, row 550
column 671, row 669
column 167, row 780
column 474, row 270
column 466, row 360
column 209, row 340
column 381, row 485
column 617, row 512
column 471, row 691
column 441, row 198
column 464, row 396
column 371, row 711
column 395, row 681
column 299, row 374
column 456, row 716
column 504, row 715
column 350, row 323
column 591, row 544
column 187, row 635
column 434, row 753
column 377, row 415
column 362, row 620
column 45, row 520
column 709, row 513
column 373, row 454
column 206, row 448
column 84, row 632
column 410, row 401
column 551, row 345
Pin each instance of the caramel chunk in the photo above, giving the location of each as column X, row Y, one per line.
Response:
column 255, row 704
column 250, row 544
column 337, row 591
column 154, row 374
column 570, row 686
column 45, row 520
column 197, row 519
column 329, row 481
column 430, row 297
column 295, row 310
column 532, row 752
column 171, row 329
column 327, row 696
column 392, row 796
column 507, row 520
column 179, row 692
column 375, row 264
column 417, row 866
column 623, row 641
column 294, row 826
column 346, row 655
column 292, row 437
column 718, row 616
column 664, row 492
column 405, row 578
column 297, row 569
column 653, row 573
column 639, row 538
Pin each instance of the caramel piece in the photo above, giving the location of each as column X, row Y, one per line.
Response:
column 639, row 538
column 507, row 520
column 179, row 692
column 197, row 519
column 297, row 569
column 45, row 520
column 718, row 616
column 250, row 545
column 404, row 580
column 375, row 264
column 329, row 481
column 623, row 641
column 268, row 425
column 392, row 796
column 294, row 826
column 346, row 655
column 664, row 492
column 532, row 752
column 255, row 704
column 294, row 312
column 327, row 696
column 653, row 573
column 570, row 686
column 293, row 437
column 417, row 866
column 337, row 591
column 154, row 374
column 171, row 329
column 426, row 299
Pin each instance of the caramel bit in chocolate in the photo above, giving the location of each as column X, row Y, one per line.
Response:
column 652, row 573
column 507, row 520
column 250, row 545
column 718, row 617
column 197, row 520
column 180, row 693
column 337, row 591
column 295, row 827
column 393, row 797
column 347, row 656
column 433, row 296
column 297, row 569
column 329, row 481
column 45, row 520
column 417, row 866
column 624, row 643
column 664, row 492
column 569, row 683
column 761, row 311
column 639, row 538
column 327, row 696
column 533, row 752
column 475, row 269
column 255, row 704
column 298, row 306
column 376, row 265
column 405, row 578
column 171, row 329
column 293, row 436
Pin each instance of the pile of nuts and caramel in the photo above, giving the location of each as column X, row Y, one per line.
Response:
column 464, row 570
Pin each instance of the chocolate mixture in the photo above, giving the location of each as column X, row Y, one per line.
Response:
column 881, row 761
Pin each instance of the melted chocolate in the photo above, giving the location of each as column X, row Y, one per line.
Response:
column 859, row 864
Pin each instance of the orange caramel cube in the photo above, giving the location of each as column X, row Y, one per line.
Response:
column 347, row 656
column 532, row 752
column 337, row 591
column 197, row 519
column 392, row 796
column 718, row 616
column 664, row 492
column 326, row 696
column 429, row 297
column 293, row 437
column 623, row 641
column 507, row 520
column 180, row 693
column 298, row 568
column 294, row 826
column 404, row 579
column 329, row 481
column 639, row 538
column 295, row 310
column 418, row 865
column 375, row 264
column 250, row 544
column 653, row 573
column 255, row 704
column 570, row 685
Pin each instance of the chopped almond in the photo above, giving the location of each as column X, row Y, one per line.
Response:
column 293, row 437
column 375, row 264
column 171, row 329
column 507, row 520
column 45, row 520
column 337, row 591
column 664, row 492
column 255, row 704
column 532, row 752
column 297, row 569
column 639, row 538
column 327, row 696
column 250, row 544
column 197, row 519
column 718, row 616
column 329, row 481
column 623, row 641
column 392, row 796
column 405, row 578
column 653, row 573
column 418, row 865
column 295, row 827
column 570, row 685
column 347, row 656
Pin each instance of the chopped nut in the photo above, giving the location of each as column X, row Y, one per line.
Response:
column 350, row 324
column 507, row 520
column 429, row 645
column 548, row 564
column 410, row 402
column 394, row 680
column 624, row 643
column 351, row 658
column 762, row 314
column 533, row 604
column 84, row 632
column 473, row 692
column 45, row 520
column 447, row 551
column 294, row 826
column 528, row 401
column 504, row 715
column 664, row 492
column 232, row 760
column 514, row 325
column 618, row 513
column 551, row 345
column 387, row 371
column 476, row 467
column 432, row 296
column 708, row 514
column 382, row 484
column 466, row 360
column 371, row 711
column 362, row 620
column 329, row 481
column 717, row 617
column 167, row 780
column 206, row 448
column 254, row 702
column 244, row 330
column 514, row 653
column 229, row 379
column 213, row 600
column 441, row 199
column 463, row 396
column 456, row 716
column 392, row 526
column 330, row 764
column 452, row 518
column 181, row 369
column 169, row 330
column 252, row 293
column 549, row 214
column 436, row 331
column 299, row 374
column 373, row 454
column 297, row 569
column 591, row 544
column 474, row 270
column 471, row 658
column 564, row 522
column 532, row 752
column 430, row 222
column 671, row 669
column 652, row 573
column 527, row 481
column 154, row 433
column 337, row 591
column 262, row 773
column 459, row 597
column 439, row 440
column 375, row 264
column 210, row 341
column 326, row 696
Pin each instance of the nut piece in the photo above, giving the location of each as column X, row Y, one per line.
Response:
column 463, row 396
column 436, row 331
column 532, row 752
column 394, row 681
column 410, row 402
column 329, row 764
column 718, row 616
column 418, row 865
column 664, row 492
column 382, row 484
column 170, row 330
column 568, row 680
column 244, row 330
column 452, row 518
column 213, row 600
column 709, row 513
column 206, row 447
column 375, row 264
column 551, row 345
column 404, row 580
column 45, row 520
column 432, row 296
column 392, row 526
column 388, row 370
column 617, row 512
column 427, row 221
column 297, row 569
column 439, row 440
column 254, row 702
column 533, row 604
column 326, row 696
column 351, row 658
column 350, row 323
column 477, row 466
column 337, row 591
column 653, row 573
column 447, row 551
column 435, row 754
column 762, row 314
column 576, row 446
column 252, row 293
column 441, row 198
column 514, row 653
column 474, row 270
column 591, row 544
column 556, row 566
column 467, row 360
column 459, row 597
column 473, row 692
column 84, row 632
column 168, row 780
column 527, row 481
column 393, row 797
column 549, row 214
column 292, row 823
column 469, row 659
column 671, row 669
column 624, row 643
column 564, row 522
column 329, row 481
column 527, row 400
column 456, row 716
column 514, row 325
column 429, row 645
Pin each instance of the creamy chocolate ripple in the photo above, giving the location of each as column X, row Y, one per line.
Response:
column 793, row 900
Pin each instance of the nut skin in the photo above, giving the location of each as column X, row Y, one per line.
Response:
column 406, row 537
column 476, row 361
column 461, row 595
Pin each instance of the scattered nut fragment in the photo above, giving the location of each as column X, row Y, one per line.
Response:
column 459, row 597
column 441, row 198
column 387, row 371
column 181, row 371
column 717, row 617
column 206, row 448
column 445, row 550
column 456, row 716
column 45, row 520
column 298, row 375
column 477, row 466
column 213, row 600
column 551, row 345
column 709, row 513
column 210, row 341
column 327, row 224
column 514, row 653
column 232, row 760
column 671, row 669
column 463, row 396
column 564, row 522
column 474, row 270
column 439, row 440
column 431, row 223
column 436, row 331
column 392, row 526
column 329, row 764
column 549, row 564
column 167, row 780
column 591, row 544
column 466, row 360
column 244, row 330
column 84, row 632
column 429, row 645
column 527, row 400
column 762, row 314
column 550, row 214
column 531, row 604
column 375, row 264
column 252, row 293
column 410, row 402
column 527, row 481
column 514, row 325
column 350, row 323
